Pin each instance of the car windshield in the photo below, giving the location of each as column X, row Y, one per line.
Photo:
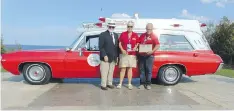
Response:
column 74, row 42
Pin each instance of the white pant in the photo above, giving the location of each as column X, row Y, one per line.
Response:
column 107, row 70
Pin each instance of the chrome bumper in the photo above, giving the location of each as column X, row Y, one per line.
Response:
column 220, row 67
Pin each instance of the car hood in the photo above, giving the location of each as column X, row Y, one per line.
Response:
column 24, row 53
column 34, row 55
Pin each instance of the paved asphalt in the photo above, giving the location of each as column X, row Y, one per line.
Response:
column 198, row 92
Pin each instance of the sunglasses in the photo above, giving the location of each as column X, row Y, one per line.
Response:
column 149, row 29
column 111, row 27
column 130, row 26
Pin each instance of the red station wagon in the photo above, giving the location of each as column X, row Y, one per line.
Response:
column 183, row 51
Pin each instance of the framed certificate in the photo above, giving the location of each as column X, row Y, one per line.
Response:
column 145, row 47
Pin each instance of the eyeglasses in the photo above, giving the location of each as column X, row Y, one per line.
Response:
column 149, row 29
column 111, row 27
column 130, row 26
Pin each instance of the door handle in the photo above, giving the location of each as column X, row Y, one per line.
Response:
column 195, row 54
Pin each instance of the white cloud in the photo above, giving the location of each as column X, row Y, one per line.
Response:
column 186, row 14
column 207, row 1
column 218, row 3
column 120, row 15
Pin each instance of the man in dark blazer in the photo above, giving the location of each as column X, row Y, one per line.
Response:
column 108, row 45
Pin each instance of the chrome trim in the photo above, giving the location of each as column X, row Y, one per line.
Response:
column 84, row 34
column 77, row 43
column 171, row 74
column 37, row 62
column 220, row 67
column 29, row 75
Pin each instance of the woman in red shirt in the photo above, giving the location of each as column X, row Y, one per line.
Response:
column 128, row 43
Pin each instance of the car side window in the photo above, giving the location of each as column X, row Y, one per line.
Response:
column 174, row 43
column 92, row 43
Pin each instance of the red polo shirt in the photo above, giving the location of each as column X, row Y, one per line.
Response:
column 125, row 40
column 153, row 39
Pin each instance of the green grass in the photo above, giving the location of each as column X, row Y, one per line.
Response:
column 3, row 70
column 226, row 72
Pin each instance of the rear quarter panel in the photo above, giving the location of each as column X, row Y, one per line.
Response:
column 170, row 57
column 204, row 63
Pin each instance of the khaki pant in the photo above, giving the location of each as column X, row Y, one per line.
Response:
column 107, row 70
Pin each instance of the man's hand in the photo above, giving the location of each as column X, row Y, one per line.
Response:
column 135, row 48
column 124, row 52
column 150, row 52
column 105, row 58
column 117, row 61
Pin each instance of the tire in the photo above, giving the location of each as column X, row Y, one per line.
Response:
column 169, row 75
column 56, row 80
column 36, row 74
column 155, row 81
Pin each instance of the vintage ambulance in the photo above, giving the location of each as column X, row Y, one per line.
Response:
column 184, row 50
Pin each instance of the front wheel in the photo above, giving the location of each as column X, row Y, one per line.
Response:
column 169, row 75
column 36, row 73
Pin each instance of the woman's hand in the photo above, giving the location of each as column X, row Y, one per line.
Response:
column 124, row 52
column 135, row 49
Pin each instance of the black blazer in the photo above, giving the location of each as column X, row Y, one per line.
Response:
column 107, row 47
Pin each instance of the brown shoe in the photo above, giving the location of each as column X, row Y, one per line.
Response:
column 103, row 88
column 111, row 86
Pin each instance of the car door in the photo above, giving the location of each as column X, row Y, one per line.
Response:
column 84, row 61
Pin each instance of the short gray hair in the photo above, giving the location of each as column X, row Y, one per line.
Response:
column 149, row 25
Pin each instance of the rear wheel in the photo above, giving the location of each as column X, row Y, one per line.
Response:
column 155, row 80
column 36, row 73
column 170, row 74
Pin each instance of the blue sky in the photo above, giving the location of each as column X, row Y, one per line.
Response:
column 55, row 22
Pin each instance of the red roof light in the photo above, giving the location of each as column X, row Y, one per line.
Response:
column 176, row 25
column 102, row 19
column 99, row 24
column 203, row 25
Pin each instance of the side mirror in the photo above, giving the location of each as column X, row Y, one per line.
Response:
column 80, row 52
column 68, row 49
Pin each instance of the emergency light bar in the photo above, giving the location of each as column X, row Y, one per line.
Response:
column 91, row 25
column 176, row 25
column 102, row 19
column 203, row 25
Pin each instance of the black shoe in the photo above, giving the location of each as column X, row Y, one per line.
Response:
column 111, row 86
column 103, row 88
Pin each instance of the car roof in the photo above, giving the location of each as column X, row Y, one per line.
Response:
column 159, row 24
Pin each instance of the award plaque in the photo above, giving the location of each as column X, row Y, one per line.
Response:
column 145, row 47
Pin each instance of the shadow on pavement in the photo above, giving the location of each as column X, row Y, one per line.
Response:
column 94, row 81
column 186, row 79
column 18, row 78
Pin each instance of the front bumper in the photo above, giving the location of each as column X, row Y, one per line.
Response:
column 220, row 67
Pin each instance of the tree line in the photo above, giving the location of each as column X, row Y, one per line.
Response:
column 221, row 39
column 4, row 49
